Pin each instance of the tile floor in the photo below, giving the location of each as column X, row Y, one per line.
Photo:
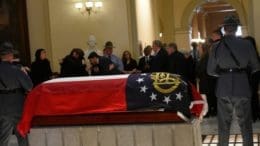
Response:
column 209, row 131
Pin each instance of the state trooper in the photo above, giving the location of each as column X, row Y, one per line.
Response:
column 14, row 84
column 229, row 60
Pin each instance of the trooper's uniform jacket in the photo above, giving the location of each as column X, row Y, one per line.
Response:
column 14, row 83
column 232, row 78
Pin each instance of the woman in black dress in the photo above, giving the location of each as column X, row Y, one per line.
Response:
column 40, row 68
column 130, row 65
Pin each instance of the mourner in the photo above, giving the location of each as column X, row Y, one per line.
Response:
column 73, row 65
column 130, row 64
column 176, row 61
column 159, row 62
column 229, row 60
column 216, row 35
column 108, row 52
column 101, row 65
column 206, row 83
column 254, row 82
column 144, row 64
column 40, row 68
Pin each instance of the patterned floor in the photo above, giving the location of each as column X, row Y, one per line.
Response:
column 235, row 140
column 209, row 127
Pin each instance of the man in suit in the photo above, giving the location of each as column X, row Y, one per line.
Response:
column 195, row 52
column 101, row 65
column 144, row 64
column 176, row 61
column 159, row 62
column 14, row 84
column 229, row 60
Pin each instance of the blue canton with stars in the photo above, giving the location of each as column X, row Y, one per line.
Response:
column 141, row 94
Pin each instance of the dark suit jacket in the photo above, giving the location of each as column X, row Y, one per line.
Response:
column 145, row 66
column 177, row 64
column 159, row 62
column 11, row 76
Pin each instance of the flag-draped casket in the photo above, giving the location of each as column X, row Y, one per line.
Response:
column 107, row 94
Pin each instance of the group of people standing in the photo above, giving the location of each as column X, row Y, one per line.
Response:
column 163, row 60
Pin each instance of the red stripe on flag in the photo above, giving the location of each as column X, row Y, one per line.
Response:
column 80, row 97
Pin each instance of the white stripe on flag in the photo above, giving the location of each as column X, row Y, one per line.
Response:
column 89, row 78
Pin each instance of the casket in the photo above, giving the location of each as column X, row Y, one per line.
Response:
column 118, row 99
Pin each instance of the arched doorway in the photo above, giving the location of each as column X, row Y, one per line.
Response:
column 186, row 20
column 208, row 17
column 187, row 14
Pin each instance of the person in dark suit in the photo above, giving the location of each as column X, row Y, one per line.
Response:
column 191, row 65
column 14, row 84
column 74, row 64
column 159, row 62
column 101, row 65
column 176, row 61
column 216, row 35
column 40, row 68
column 195, row 52
column 254, row 82
column 206, row 82
column 130, row 65
column 144, row 64
column 228, row 60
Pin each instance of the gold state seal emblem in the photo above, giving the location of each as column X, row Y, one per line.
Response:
column 165, row 82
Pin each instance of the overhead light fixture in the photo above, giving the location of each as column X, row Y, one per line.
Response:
column 211, row 1
column 89, row 6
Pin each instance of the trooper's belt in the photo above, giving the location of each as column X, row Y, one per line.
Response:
column 10, row 91
column 232, row 70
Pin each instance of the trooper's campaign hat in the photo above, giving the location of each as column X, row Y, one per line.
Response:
column 231, row 20
column 7, row 48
